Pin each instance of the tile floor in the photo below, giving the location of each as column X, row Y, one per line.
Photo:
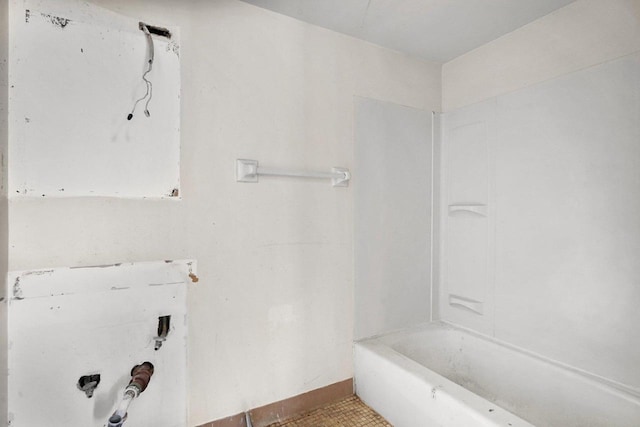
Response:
column 351, row 412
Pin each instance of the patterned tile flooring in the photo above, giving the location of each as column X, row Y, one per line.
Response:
column 351, row 412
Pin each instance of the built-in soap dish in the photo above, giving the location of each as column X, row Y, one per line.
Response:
column 467, row 303
column 474, row 209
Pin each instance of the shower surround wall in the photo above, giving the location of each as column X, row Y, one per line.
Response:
column 392, row 208
column 271, row 316
column 559, row 160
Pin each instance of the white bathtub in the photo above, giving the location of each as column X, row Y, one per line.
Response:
column 439, row 375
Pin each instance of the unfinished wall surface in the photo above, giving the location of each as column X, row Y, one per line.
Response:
column 577, row 36
column 272, row 315
column 558, row 161
column 79, row 142
column 67, row 324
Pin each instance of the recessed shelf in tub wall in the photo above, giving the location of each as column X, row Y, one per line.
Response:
column 468, row 303
column 475, row 209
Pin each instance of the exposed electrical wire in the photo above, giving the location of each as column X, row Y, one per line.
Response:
column 149, row 85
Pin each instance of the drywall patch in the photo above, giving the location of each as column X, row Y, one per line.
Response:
column 90, row 321
column 69, row 49
column 281, row 315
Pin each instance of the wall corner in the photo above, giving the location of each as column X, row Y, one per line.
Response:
column 4, row 228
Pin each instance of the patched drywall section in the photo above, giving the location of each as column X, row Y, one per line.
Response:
column 272, row 314
column 76, row 334
column 95, row 106
column 581, row 34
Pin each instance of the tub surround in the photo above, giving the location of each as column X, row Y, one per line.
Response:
column 448, row 376
column 550, row 265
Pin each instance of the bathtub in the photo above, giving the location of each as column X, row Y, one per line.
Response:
column 440, row 375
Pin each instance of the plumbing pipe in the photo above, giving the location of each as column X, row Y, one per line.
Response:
column 120, row 415
column 140, row 377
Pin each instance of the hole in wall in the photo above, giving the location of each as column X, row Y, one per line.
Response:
column 164, row 325
column 88, row 384
column 158, row 31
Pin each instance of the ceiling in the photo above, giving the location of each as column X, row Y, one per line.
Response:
column 436, row 30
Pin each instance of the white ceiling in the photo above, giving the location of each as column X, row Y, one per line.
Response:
column 436, row 30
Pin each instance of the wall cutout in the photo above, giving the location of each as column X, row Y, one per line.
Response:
column 88, row 384
column 73, row 86
column 164, row 325
column 76, row 333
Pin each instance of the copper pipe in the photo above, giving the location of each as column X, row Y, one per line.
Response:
column 141, row 375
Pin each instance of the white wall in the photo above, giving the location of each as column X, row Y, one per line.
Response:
column 4, row 245
column 392, row 197
column 562, row 181
column 272, row 315
column 582, row 34
column 466, row 216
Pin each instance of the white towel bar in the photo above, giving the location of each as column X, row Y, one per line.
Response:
column 249, row 170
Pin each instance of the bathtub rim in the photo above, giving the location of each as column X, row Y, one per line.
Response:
column 474, row 406
column 621, row 390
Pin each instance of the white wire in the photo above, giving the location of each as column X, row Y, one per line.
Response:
column 148, row 83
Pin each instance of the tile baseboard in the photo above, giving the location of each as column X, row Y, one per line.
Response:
column 289, row 408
